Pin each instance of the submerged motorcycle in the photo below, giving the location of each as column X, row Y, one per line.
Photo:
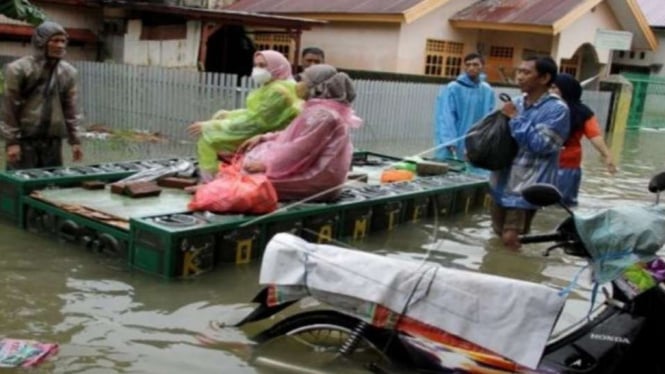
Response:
column 399, row 316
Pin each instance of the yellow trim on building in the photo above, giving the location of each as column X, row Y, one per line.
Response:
column 515, row 27
column 572, row 16
column 643, row 24
column 353, row 17
column 619, row 122
column 422, row 8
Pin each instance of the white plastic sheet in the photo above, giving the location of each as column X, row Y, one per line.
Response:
column 619, row 237
column 510, row 317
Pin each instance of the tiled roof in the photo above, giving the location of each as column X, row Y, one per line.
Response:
column 23, row 31
column 325, row 6
column 226, row 15
column 654, row 10
column 536, row 12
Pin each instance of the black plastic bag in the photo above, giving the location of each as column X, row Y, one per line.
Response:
column 489, row 144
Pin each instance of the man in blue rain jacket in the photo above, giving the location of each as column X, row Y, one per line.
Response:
column 539, row 123
column 459, row 105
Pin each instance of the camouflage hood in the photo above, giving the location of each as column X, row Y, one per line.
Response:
column 42, row 34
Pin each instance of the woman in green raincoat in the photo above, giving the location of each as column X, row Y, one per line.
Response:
column 270, row 107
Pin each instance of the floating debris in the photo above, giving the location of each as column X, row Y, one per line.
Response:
column 24, row 353
column 102, row 132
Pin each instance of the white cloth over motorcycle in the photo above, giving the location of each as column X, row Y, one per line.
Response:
column 509, row 317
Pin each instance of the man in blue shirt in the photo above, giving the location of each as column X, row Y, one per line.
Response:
column 459, row 105
column 539, row 123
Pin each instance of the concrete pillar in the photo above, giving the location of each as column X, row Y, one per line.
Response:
column 622, row 95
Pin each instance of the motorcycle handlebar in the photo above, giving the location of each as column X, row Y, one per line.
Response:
column 544, row 238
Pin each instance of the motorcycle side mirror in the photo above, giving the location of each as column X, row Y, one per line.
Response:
column 657, row 185
column 542, row 195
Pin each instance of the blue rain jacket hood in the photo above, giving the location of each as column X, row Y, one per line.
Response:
column 459, row 105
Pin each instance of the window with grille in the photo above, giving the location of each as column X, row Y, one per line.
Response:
column 443, row 58
column 528, row 53
column 278, row 42
column 569, row 65
column 501, row 52
column 500, row 64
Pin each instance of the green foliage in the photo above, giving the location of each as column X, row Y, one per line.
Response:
column 22, row 10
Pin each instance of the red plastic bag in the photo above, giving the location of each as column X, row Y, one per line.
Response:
column 233, row 191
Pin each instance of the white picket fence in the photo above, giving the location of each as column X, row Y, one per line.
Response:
column 127, row 97
column 397, row 115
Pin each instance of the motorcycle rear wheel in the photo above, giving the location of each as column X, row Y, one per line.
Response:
column 325, row 333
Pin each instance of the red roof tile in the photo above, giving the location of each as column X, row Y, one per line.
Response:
column 224, row 15
column 79, row 35
column 538, row 12
column 654, row 11
column 325, row 6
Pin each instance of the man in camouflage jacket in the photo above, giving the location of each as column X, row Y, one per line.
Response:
column 39, row 106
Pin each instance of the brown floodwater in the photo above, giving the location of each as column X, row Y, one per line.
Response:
column 108, row 319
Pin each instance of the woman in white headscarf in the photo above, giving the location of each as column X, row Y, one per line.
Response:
column 312, row 156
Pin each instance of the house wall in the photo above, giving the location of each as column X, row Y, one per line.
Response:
column 77, row 17
column 358, row 46
column 651, row 59
column 212, row 4
column 167, row 53
column 561, row 46
column 520, row 42
column 637, row 58
column 13, row 48
column 413, row 37
column 10, row 48
column 583, row 31
column 114, row 48
column 658, row 57
column 10, row 21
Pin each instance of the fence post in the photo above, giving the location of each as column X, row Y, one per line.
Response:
column 622, row 95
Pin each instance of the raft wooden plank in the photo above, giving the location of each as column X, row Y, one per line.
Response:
column 142, row 189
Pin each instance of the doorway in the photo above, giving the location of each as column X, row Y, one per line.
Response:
column 230, row 51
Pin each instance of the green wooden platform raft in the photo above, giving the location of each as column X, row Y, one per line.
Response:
column 158, row 235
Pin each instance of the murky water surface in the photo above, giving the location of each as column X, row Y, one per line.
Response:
column 111, row 320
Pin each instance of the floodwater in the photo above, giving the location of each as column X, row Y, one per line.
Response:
column 108, row 319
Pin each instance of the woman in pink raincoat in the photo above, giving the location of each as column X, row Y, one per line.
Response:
column 312, row 156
